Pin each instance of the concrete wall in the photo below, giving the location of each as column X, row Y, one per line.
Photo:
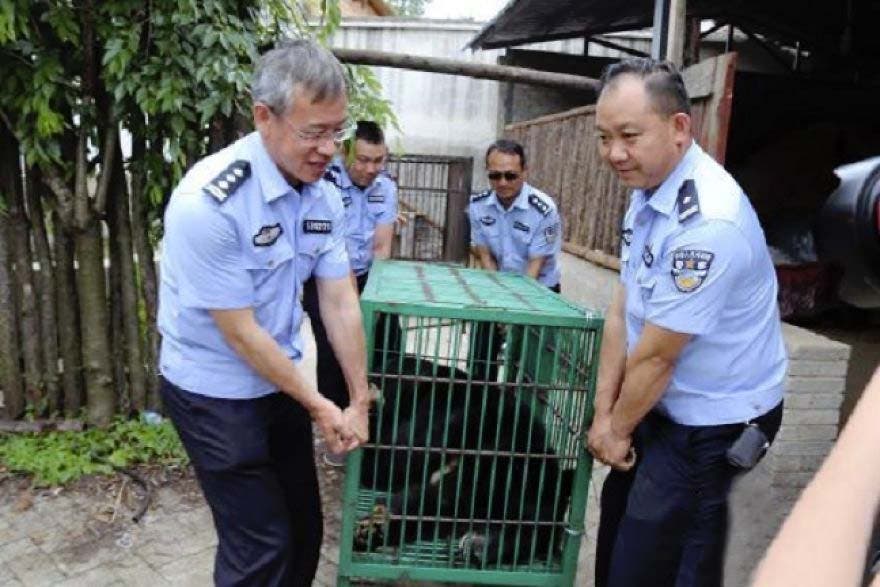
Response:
column 438, row 114
column 814, row 392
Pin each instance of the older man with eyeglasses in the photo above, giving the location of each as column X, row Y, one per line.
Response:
column 244, row 229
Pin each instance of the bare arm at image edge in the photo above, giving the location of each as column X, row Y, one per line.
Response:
column 825, row 538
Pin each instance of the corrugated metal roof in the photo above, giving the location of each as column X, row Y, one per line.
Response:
column 834, row 27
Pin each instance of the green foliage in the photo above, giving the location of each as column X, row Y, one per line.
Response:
column 56, row 458
column 409, row 7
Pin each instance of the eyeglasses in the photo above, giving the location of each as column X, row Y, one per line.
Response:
column 507, row 175
column 317, row 137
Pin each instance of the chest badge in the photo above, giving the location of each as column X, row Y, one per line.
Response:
column 648, row 256
column 690, row 268
column 317, row 226
column 267, row 235
column 487, row 220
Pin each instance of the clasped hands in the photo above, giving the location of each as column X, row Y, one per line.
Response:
column 343, row 430
column 608, row 446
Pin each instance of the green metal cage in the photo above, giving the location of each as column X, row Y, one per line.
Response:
column 476, row 470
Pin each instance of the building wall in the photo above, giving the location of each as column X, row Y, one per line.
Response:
column 438, row 114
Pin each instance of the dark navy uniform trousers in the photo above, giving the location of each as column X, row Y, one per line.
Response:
column 331, row 381
column 663, row 523
column 255, row 463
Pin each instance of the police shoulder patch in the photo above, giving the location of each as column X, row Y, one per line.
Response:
column 688, row 200
column 690, row 268
column 229, row 180
column 267, row 235
column 481, row 196
column 311, row 226
column 551, row 231
column 539, row 204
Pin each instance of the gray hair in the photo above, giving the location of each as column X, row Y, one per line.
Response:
column 296, row 64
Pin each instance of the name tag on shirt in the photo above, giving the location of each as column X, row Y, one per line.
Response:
column 376, row 198
column 317, row 226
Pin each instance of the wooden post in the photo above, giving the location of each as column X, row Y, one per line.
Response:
column 456, row 238
column 504, row 73
column 677, row 31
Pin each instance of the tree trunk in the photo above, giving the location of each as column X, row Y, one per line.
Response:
column 94, row 317
column 140, row 223
column 46, row 286
column 22, row 269
column 131, row 314
column 117, row 336
column 10, row 370
column 68, row 320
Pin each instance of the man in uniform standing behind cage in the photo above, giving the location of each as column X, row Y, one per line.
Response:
column 515, row 228
column 369, row 196
column 692, row 364
column 243, row 230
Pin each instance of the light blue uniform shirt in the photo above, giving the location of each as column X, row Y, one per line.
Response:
column 530, row 228
column 237, row 235
column 694, row 260
column 364, row 210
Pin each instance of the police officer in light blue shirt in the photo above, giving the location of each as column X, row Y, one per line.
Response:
column 692, row 362
column 369, row 197
column 515, row 227
column 243, row 230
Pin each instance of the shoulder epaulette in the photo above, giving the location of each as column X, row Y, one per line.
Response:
column 331, row 176
column 688, row 200
column 229, row 180
column 539, row 204
column 387, row 174
column 481, row 196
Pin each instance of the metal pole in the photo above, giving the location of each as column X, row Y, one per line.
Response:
column 661, row 29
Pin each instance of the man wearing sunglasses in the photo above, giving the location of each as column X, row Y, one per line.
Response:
column 369, row 196
column 244, row 229
column 515, row 227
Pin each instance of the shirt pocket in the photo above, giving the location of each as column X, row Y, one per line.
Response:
column 270, row 268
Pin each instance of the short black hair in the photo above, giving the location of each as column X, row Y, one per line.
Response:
column 663, row 83
column 510, row 148
column 370, row 132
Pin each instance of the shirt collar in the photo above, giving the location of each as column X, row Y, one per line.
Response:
column 663, row 198
column 521, row 201
column 272, row 183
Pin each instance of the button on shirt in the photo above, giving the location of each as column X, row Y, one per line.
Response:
column 530, row 228
column 364, row 210
column 253, row 249
column 694, row 260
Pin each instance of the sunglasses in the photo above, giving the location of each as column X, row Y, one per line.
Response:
column 507, row 175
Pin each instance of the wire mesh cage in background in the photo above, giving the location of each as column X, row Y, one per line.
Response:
column 476, row 471
column 432, row 192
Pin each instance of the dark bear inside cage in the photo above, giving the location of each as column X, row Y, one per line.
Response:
column 476, row 467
